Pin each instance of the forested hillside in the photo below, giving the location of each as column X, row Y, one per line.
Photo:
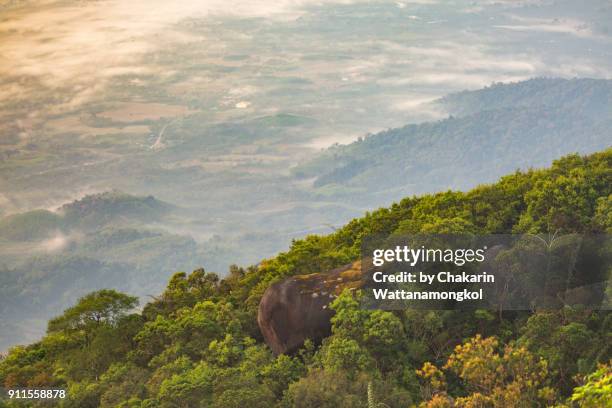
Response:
column 230, row 192
column 491, row 132
column 590, row 97
column 198, row 345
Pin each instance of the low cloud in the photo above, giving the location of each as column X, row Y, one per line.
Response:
column 58, row 242
column 75, row 49
column 55, row 244
column 574, row 27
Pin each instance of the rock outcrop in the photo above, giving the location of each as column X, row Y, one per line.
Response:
column 297, row 308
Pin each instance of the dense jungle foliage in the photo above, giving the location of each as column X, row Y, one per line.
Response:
column 198, row 344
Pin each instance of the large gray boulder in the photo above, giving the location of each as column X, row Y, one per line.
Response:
column 297, row 308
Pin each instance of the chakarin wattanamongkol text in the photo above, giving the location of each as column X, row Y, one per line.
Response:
column 510, row 272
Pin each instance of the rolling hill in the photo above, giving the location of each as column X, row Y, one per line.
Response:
column 490, row 132
column 50, row 258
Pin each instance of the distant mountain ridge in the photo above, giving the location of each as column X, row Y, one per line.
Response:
column 90, row 212
column 491, row 132
column 100, row 209
column 48, row 258
column 591, row 97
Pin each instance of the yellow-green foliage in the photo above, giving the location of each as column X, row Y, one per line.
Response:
column 198, row 345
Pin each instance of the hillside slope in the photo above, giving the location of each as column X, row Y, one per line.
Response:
column 495, row 130
column 198, row 344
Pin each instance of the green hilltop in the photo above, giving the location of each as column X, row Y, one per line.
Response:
column 90, row 212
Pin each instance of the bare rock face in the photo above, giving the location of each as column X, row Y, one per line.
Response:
column 297, row 308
